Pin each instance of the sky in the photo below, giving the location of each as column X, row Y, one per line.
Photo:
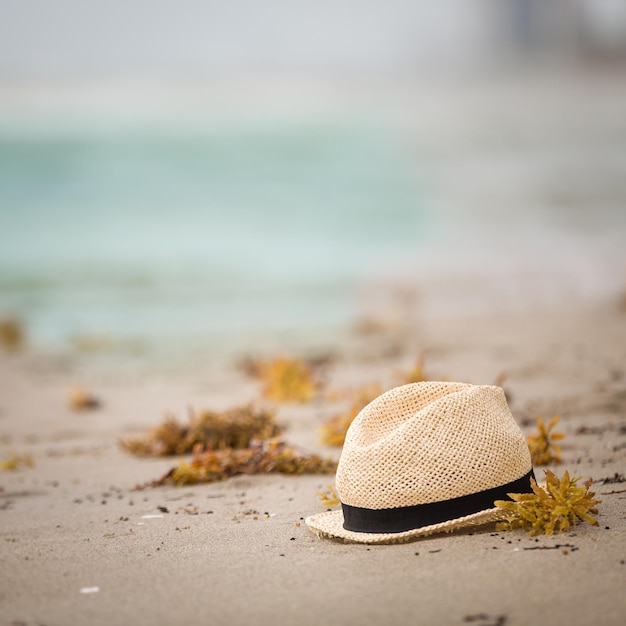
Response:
column 40, row 38
column 44, row 40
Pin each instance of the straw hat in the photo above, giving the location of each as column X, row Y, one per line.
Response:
column 426, row 458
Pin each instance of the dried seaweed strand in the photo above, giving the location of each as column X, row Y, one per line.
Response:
column 609, row 480
column 333, row 432
column 210, row 430
column 264, row 457
column 329, row 498
column 558, row 546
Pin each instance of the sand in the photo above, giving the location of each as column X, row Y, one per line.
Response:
column 79, row 545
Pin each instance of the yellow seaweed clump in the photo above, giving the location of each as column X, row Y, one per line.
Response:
column 333, row 432
column 561, row 505
column 288, row 379
column 270, row 456
column 15, row 461
column 208, row 430
column 542, row 446
column 329, row 498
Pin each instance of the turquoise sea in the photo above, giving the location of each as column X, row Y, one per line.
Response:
column 215, row 235
column 199, row 234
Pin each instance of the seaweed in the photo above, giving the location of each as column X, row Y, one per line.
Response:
column 563, row 547
column 562, row 504
column 236, row 428
column 500, row 381
column 16, row 461
column 542, row 446
column 416, row 374
column 485, row 619
column 287, row 379
column 80, row 399
column 11, row 334
column 608, row 480
column 329, row 498
column 333, row 432
column 270, row 456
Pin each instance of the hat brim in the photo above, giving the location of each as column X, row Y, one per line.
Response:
column 329, row 525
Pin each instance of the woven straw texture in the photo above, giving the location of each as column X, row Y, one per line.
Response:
column 426, row 442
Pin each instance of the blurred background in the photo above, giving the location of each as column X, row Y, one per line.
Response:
column 204, row 177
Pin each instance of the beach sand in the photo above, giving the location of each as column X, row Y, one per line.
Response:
column 238, row 551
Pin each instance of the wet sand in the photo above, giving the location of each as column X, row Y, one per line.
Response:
column 238, row 551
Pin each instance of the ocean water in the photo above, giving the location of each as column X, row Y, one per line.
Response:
column 213, row 235
column 208, row 235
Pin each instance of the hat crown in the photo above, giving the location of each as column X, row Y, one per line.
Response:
column 430, row 442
